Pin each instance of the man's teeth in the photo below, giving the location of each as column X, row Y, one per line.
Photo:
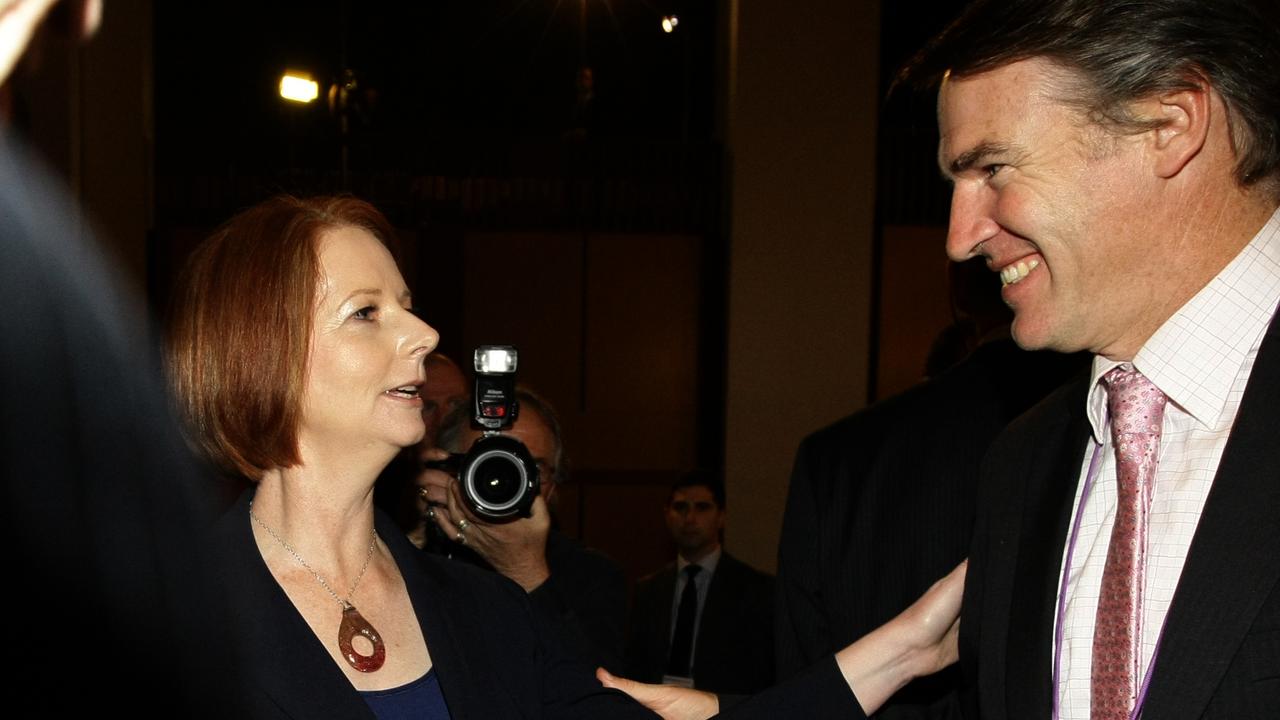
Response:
column 411, row 390
column 1015, row 273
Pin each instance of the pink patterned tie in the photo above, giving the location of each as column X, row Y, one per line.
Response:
column 1136, row 408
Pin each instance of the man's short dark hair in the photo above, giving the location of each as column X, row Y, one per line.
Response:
column 700, row 478
column 1126, row 50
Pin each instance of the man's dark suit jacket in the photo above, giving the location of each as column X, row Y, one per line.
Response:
column 881, row 505
column 733, row 652
column 102, row 500
column 586, row 594
column 1219, row 656
column 1220, row 653
column 491, row 657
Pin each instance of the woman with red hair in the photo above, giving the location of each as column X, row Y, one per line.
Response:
column 297, row 359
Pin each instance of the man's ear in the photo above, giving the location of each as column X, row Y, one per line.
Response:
column 1183, row 126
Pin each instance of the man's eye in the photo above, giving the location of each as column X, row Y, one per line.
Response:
column 365, row 313
column 993, row 169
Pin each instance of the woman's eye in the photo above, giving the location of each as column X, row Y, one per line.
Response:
column 365, row 313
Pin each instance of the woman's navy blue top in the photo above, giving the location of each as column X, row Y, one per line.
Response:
column 420, row 699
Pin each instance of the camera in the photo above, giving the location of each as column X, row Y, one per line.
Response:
column 498, row 475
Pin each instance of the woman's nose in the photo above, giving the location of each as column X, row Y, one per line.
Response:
column 421, row 337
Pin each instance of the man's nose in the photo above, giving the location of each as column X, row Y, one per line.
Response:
column 971, row 222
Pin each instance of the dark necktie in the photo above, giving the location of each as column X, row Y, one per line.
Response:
column 682, row 640
column 1136, row 407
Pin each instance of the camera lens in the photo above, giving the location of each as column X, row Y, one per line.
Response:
column 498, row 479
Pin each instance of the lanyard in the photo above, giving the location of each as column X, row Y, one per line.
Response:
column 1090, row 477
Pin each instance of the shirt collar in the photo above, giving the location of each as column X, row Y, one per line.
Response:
column 708, row 563
column 1197, row 353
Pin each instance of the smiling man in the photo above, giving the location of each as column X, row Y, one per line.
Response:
column 1088, row 225
column 1118, row 164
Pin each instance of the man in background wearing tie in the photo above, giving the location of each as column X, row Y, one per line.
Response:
column 703, row 621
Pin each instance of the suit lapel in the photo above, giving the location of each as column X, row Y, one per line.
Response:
column 291, row 666
column 451, row 665
column 1232, row 562
column 1050, row 487
column 715, row 610
column 666, row 595
column 300, row 676
column 446, row 628
column 282, row 656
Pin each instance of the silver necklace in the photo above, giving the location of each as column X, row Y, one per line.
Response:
column 353, row 623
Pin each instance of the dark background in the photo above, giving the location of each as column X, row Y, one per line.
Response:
column 597, row 239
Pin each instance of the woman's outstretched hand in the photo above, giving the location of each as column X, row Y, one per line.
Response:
column 921, row 640
column 669, row 701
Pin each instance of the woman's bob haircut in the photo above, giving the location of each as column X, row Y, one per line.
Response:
column 240, row 323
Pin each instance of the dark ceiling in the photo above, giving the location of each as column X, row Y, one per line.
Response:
column 480, row 89
column 431, row 74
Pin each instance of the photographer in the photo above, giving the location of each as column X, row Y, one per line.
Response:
column 579, row 588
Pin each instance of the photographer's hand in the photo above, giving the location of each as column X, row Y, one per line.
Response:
column 433, row 489
column 517, row 549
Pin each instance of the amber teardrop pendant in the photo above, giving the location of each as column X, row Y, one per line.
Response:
column 353, row 623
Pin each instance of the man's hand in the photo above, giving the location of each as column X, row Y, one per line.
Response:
column 669, row 701
column 517, row 549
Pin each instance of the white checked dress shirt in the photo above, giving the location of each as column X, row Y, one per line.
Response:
column 1201, row 359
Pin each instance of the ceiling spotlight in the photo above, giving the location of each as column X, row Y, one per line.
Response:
column 669, row 23
column 298, row 87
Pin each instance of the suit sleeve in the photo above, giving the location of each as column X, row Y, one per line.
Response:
column 570, row 690
column 818, row 692
column 590, row 612
column 801, row 629
column 646, row 646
